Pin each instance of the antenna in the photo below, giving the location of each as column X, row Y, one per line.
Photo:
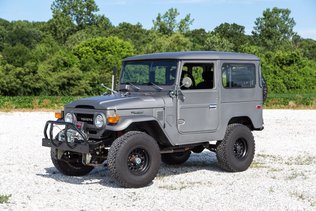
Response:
column 113, row 77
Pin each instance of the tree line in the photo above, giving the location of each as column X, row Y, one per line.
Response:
column 75, row 51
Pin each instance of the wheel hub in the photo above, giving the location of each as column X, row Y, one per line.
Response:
column 138, row 161
column 240, row 148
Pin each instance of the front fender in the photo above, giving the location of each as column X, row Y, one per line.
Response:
column 126, row 122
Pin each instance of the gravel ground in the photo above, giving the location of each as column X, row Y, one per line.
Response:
column 282, row 176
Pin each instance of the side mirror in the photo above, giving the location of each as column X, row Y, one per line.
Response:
column 186, row 82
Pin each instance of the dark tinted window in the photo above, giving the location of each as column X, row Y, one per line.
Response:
column 201, row 73
column 238, row 75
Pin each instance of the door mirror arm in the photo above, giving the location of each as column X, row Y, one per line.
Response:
column 177, row 93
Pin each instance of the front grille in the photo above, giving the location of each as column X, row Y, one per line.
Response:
column 88, row 118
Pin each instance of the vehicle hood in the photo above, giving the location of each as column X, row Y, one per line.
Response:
column 118, row 102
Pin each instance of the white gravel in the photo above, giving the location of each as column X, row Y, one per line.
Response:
column 282, row 176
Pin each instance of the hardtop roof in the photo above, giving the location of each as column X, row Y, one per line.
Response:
column 195, row 55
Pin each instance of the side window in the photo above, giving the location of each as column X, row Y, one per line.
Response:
column 202, row 75
column 238, row 75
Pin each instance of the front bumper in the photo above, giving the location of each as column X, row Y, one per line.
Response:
column 84, row 145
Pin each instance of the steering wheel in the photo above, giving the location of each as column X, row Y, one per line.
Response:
column 188, row 74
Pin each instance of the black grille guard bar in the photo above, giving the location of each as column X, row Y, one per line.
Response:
column 49, row 139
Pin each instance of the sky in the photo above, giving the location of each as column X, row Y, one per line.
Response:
column 207, row 14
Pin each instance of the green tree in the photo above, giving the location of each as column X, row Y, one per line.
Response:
column 103, row 22
column 167, row 23
column 18, row 81
column 274, row 29
column 214, row 42
column 85, row 34
column 81, row 12
column 135, row 33
column 44, row 50
column 108, row 51
column 61, row 26
column 308, row 47
column 25, row 33
column 97, row 58
column 294, row 70
column 62, row 76
column 9, row 84
column 233, row 33
column 285, row 71
column 198, row 38
column 164, row 43
column 16, row 55
column 4, row 24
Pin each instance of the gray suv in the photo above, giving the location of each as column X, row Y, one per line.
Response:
column 167, row 106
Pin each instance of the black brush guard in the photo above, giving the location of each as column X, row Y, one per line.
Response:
column 82, row 146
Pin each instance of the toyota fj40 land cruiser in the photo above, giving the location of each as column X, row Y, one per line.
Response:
column 167, row 106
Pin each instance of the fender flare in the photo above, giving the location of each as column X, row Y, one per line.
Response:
column 125, row 123
column 159, row 134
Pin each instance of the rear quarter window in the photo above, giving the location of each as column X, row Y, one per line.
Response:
column 238, row 75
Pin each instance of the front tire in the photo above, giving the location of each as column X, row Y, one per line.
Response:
column 70, row 163
column 236, row 151
column 175, row 158
column 134, row 159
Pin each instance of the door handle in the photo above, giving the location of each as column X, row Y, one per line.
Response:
column 181, row 121
column 212, row 106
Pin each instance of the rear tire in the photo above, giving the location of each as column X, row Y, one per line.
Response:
column 236, row 151
column 198, row 149
column 175, row 158
column 134, row 159
column 73, row 167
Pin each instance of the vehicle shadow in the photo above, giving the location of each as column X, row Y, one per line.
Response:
column 198, row 161
column 101, row 175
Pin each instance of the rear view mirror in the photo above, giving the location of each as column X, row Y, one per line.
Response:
column 186, row 82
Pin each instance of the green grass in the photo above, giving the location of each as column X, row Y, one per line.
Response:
column 8, row 103
column 4, row 198
column 34, row 102
column 295, row 101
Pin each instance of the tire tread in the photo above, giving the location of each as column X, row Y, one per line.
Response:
column 221, row 152
column 112, row 158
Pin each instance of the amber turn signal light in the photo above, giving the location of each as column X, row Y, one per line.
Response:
column 58, row 115
column 113, row 119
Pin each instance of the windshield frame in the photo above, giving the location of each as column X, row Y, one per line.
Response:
column 148, row 87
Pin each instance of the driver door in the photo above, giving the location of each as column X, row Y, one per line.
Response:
column 197, row 108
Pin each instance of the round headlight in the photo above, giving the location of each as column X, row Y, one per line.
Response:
column 99, row 120
column 69, row 118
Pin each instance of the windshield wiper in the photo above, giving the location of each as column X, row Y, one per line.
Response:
column 108, row 88
column 155, row 85
column 134, row 86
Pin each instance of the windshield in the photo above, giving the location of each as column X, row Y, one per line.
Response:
column 149, row 72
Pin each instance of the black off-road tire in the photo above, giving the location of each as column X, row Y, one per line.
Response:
column 198, row 149
column 134, row 159
column 175, row 158
column 236, row 151
column 71, row 168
